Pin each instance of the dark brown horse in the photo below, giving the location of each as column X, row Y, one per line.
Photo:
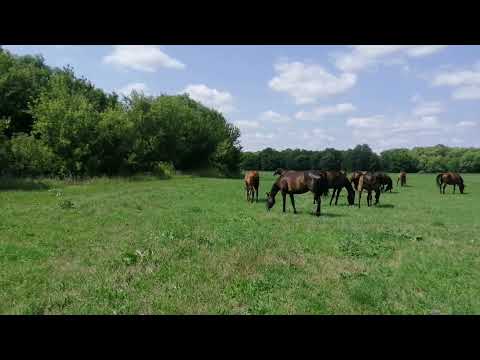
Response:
column 337, row 180
column 402, row 178
column 386, row 183
column 368, row 182
column 252, row 182
column 355, row 177
column 298, row 182
column 450, row 178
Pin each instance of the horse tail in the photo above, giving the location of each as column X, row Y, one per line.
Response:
column 360, row 184
column 439, row 183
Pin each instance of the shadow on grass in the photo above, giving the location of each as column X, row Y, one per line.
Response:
column 385, row 206
column 22, row 184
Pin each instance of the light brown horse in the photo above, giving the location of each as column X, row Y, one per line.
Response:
column 450, row 178
column 369, row 182
column 252, row 182
column 298, row 182
column 355, row 177
column 402, row 178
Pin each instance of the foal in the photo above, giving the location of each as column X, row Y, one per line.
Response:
column 370, row 183
column 252, row 182
column 402, row 178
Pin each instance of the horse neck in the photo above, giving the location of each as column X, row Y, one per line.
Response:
column 274, row 190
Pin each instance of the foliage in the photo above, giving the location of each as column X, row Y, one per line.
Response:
column 91, row 132
column 421, row 159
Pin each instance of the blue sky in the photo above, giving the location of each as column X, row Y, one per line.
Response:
column 308, row 97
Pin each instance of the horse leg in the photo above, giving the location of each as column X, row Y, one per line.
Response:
column 377, row 197
column 444, row 186
column 369, row 198
column 293, row 203
column 284, row 196
column 454, row 186
column 359, row 198
column 338, row 194
column 257, row 194
column 318, row 205
column 333, row 194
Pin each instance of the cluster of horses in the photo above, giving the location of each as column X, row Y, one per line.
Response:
column 319, row 182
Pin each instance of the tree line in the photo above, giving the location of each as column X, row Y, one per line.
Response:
column 55, row 123
column 437, row 158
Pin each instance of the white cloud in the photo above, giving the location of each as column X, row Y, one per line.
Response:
column 427, row 108
column 319, row 112
column 320, row 134
column 457, row 78
column 260, row 135
column 306, row 83
column 138, row 87
column 213, row 98
column 363, row 56
column 466, row 124
column 367, row 122
column 274, row 117
column 246, row 125
column 467, row 93
column 147, row 58
column 466, row 83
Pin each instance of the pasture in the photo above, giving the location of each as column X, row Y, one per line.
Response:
column 193, row 245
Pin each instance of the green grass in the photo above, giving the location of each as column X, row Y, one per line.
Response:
column 194, row 245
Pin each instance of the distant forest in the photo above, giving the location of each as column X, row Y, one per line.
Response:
column 420, row 159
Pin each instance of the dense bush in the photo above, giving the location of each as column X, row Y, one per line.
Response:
column 31, row 157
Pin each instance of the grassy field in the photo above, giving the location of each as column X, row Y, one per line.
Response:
column 194, row 245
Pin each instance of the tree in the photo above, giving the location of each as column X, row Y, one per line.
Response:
column 22, row 78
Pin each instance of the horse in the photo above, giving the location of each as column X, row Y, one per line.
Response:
column 450, row 178
column 337, row 180
column 386, row 183
column 369, row 182
column 280, row 172
column 298, row 182
column 402, row 178
column 355, row 177
column 252, row 182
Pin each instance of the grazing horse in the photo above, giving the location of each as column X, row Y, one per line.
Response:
column 386, row 183
column 280, row 172
column 402, row 178
column 450, row 178
column 369, row 182
column 298, row 182
column 252, row 182
column 356, row 177
column 337, row 180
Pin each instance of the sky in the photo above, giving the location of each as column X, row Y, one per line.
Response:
column 308, row 97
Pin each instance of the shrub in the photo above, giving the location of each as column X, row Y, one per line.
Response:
column 31, row 157
column 164, row 170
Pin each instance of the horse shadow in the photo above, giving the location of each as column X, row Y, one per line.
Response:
column 385, row 206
